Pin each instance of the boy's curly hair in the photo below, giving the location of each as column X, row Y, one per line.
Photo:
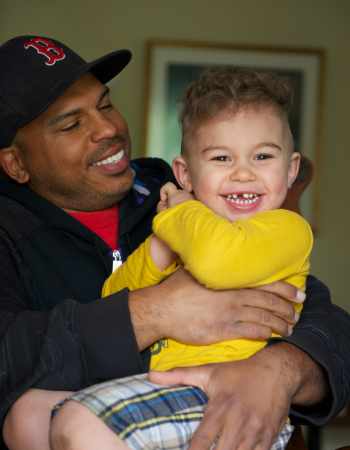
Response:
column 230, row 89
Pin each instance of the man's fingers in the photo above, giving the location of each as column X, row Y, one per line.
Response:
column 260, row 323
column 271, row 303
column 246, row 330
column 170, row 377
column 284, row 290
column 191, row 376
column 255, row 323
column 208, row 431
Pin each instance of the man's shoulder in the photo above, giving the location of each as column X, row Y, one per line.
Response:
column 18, row 206
column 16, row 220
column 152, row 171
column 139, row 207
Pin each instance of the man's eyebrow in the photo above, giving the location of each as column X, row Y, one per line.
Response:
column 60, row 117
column 104, row 94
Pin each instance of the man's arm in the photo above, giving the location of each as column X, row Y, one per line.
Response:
column 309, row 373
column 69, row 347
column 181, row 309
column 61, row 348
column 253, row 394
column 323, row 333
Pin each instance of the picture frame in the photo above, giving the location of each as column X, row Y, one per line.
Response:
column 171, row 65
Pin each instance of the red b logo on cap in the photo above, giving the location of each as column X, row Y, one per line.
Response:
column 46, row 48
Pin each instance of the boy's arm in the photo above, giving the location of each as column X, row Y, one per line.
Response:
column 153, row 260
column 233, row 255
column 148, row 265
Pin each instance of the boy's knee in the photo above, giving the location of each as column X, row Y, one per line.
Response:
column 69, row 425
column 74, row 426
column 19, row 424
column 27, row 423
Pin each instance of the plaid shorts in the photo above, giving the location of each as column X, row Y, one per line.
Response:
column 149, row 416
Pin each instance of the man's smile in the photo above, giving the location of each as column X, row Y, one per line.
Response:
column 111, row 159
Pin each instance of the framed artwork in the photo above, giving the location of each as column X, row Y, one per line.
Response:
column 171, row 66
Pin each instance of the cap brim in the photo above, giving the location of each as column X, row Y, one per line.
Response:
column 104, row 69
column 108, row 66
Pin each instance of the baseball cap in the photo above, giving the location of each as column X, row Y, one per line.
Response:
column 36, row 70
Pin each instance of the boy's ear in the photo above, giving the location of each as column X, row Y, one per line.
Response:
column 182, row 175
column 293, row 168
column 12, row 164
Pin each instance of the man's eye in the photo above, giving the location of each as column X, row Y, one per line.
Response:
column 106, row 106
column 71, row 127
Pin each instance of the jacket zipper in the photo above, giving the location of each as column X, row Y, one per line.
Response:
column 117, row 259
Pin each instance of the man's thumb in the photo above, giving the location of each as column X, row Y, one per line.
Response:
column 183, row 375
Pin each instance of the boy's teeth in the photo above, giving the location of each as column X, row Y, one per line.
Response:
column 243, row 199
column 111, row 159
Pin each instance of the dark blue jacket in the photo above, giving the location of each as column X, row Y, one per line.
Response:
column 55, row 332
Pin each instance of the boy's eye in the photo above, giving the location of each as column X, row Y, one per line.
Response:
column 221, row 158
column 263, row 156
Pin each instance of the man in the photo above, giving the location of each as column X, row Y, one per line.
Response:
column 69, row 197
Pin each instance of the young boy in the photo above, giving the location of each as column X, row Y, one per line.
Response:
column 225, row 227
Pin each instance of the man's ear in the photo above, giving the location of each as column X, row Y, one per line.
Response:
column 182, row 175
column 293, row 168
column 12, row 164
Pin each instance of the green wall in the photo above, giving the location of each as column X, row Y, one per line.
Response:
column 94, row 28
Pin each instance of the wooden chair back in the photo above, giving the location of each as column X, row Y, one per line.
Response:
column 297, row 441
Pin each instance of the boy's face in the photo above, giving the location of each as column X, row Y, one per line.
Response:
column 239, row 164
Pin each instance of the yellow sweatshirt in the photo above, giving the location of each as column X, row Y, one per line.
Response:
column 247, row 253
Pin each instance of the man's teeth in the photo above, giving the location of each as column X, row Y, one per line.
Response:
column 243, row 199
column 111, row 159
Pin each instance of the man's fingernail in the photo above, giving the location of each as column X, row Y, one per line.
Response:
column 300, row 296
column 296, row 317
column 290, row 330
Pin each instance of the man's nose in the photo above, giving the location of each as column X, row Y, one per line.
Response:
column 102, row 127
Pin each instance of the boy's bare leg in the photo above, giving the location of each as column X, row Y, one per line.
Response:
column 27, row 424
column 75, row 427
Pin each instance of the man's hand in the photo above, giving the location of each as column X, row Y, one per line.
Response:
column 249, row 400
column 181, row 309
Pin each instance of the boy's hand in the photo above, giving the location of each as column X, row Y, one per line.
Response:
column 170, row 196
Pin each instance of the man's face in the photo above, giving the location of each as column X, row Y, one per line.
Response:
column 240, row 164
column 76, row 154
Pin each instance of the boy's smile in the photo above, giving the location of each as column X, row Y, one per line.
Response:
column 244, row 200
column 240, row 163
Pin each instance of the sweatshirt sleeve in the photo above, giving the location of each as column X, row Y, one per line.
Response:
column 138, row 271
column 323, row 332
column 267, row 247
column 67, row 348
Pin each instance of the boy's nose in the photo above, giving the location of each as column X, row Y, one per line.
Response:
column 242, row 172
